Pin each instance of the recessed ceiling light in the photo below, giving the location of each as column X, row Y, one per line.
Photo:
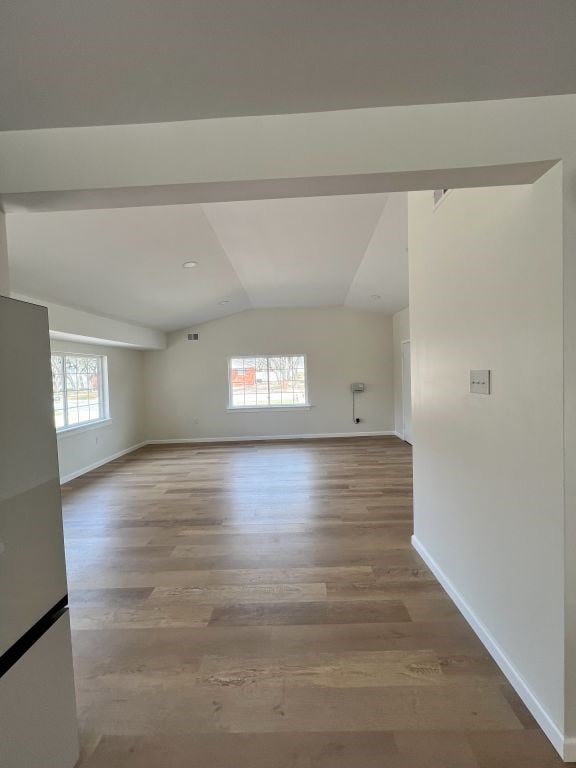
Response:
column 224, row 301
column 375, row 296
column 190, row 264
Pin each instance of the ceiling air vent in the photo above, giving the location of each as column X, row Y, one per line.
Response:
column 193, row 337
column 439, row 195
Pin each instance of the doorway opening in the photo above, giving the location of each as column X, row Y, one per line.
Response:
column 406, row 393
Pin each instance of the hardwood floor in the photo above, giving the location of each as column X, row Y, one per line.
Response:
column 259, row 605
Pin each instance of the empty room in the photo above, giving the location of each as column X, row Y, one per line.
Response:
column 288, row 377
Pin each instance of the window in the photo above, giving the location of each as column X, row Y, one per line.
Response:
column 80, row 390
column 268, row 381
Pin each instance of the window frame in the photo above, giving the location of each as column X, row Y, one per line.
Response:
column 269, row 407
column 103, row 394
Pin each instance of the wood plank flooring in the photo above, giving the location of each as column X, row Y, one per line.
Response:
column 259, row 605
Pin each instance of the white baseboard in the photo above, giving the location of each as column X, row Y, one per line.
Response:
column 100, row 463
column 564, row 746
column 96, row 465
column 258, row 438
column 569, row 755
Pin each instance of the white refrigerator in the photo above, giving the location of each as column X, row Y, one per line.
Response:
column 37, row 702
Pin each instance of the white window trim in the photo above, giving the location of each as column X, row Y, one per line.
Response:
column 103, row 393
column 267, row 408
column 84, row 427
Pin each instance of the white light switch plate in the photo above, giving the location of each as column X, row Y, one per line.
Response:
column 480, row 382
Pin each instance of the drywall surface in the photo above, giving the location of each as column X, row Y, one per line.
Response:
column 78, row 326
column 187, row 384
column 81, row 449
column 75, row 322
column 415, row 147
column 569, row 274
column 4, row 275
column 486, row 292
column 385, row 261
column 401, row 332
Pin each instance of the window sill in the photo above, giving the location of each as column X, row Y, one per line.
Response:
column 76, row 429
column 268, row 408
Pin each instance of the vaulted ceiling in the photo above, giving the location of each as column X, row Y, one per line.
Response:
column 107, row 62
column 348, row 250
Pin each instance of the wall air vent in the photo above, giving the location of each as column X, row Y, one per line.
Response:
column 439, row 195
column 193, row 337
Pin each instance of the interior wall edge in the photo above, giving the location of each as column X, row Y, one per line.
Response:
column 100, row 463
column 400, row 334
column 566, row 747
column 4, row 266
column 266, row 438
column 83, row 326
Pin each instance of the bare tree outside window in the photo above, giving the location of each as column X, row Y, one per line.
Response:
column 268, row 381
column 78, row 383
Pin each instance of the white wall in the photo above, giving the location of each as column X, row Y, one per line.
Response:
column 486, row 292
column 86, row 447
column 401, row 332
column 386, row 149
column 4, row 276
column 187, row 384
column 569, row 304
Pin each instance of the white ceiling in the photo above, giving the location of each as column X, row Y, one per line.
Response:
column 296, row 252
column 127, row 263
column 98, row 62
column 383, row 272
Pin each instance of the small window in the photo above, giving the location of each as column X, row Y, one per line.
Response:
column 270, row 381
column 80, row 388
